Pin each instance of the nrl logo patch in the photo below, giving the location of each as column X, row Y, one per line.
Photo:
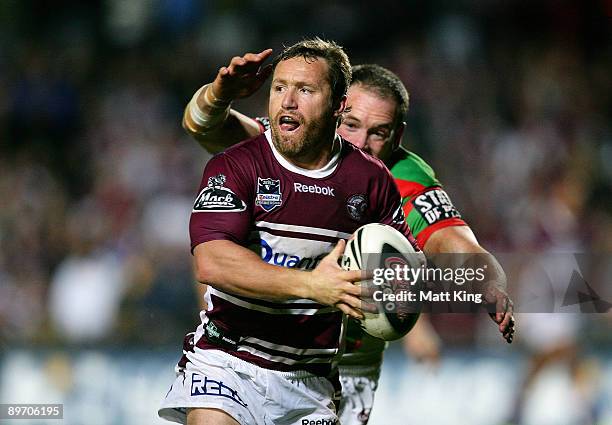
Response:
column 268, row 195
column 356, row 206
column 218, row 198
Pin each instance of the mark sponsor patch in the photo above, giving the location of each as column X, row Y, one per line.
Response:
column 204, row 386
column 435, row 205
column 356, row 206
column 269, row 195
column 218, row 198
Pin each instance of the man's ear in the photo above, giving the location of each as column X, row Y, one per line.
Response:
column 397, row 137
column 340, row 107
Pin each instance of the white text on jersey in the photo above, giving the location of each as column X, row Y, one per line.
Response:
column 313, row 188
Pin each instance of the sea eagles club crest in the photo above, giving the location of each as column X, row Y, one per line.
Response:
column 268, row 195
column 215, row 197
column 356, row 206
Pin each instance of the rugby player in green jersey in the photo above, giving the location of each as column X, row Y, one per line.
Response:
column 377, row 103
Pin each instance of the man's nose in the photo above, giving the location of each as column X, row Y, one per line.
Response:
column 360, row 139
column 289, row 100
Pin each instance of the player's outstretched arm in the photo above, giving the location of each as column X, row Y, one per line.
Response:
column 209, row 118
column 232, row 268
column 461, row 240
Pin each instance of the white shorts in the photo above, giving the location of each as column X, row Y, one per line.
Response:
column 250, row 394
column 359, row 384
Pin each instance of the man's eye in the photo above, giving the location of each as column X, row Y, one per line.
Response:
column 350, row 125
column 306, row 90
column 278, row 88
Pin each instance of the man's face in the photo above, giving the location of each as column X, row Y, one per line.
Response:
column 300, row 105
column 370, row 122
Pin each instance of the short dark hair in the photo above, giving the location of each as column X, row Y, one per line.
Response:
column 337, row 60
column 384, row 83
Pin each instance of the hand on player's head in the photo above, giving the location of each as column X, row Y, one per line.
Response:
column 243, row 76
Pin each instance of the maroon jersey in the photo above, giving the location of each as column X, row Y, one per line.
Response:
column 292, row 217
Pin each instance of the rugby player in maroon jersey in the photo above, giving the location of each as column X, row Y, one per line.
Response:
column 270, row 339
column 376, row 105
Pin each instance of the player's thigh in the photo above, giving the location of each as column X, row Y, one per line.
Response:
column 199, row 416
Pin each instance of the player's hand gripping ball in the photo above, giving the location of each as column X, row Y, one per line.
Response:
column 389, row 256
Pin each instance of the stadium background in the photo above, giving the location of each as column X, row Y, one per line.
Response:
column 510, row 103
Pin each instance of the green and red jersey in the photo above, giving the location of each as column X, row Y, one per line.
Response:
column 426, row 205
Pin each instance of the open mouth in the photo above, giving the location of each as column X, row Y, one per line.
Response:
column 288, row 123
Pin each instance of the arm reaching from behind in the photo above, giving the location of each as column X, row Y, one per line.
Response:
column 461, row 240
column 208, row 117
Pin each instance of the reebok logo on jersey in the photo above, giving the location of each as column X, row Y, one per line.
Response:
column 313, row 188
column 319, row 421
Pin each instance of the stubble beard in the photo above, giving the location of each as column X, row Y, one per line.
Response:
column 301, row 145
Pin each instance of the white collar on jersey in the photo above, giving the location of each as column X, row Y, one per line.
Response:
column 320, row 173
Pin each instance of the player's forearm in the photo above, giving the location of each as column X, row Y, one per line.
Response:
column 234, row 269
column 217, row 127
column 461, row 240
column 235, row 128
column 457, row 240
column 495, row 277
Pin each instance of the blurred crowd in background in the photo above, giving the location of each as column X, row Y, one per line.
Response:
column 511, row 104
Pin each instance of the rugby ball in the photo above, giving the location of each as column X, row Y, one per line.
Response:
column 383, row 251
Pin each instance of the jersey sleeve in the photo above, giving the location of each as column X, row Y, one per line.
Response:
column 263, row 122
column 426, row 205
column 223, row 207
column 391, row 211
